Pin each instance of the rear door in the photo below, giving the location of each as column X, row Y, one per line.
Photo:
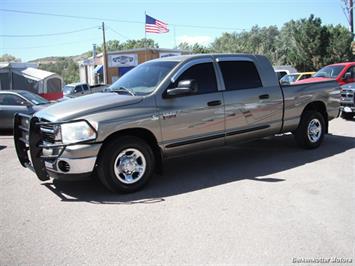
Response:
column 252, row 109
column 193, row 121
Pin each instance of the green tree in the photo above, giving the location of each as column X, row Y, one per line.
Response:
column 303, row 43
column 195, row 48
column 9, row 58
column 65, row 67
column 339, row 48
column 256, row 41
column 132, row 44
column 115, row 45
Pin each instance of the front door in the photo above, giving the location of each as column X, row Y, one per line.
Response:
column 197, row 120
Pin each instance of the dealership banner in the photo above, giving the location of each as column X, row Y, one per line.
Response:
column 168, row 54
column 122, row 60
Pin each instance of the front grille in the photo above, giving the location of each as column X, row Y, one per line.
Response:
column 48, row 131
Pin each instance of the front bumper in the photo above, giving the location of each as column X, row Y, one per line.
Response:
column 60, row 161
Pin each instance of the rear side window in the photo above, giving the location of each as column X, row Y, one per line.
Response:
column 203, row 74
column 85, row 87
column 239, row 75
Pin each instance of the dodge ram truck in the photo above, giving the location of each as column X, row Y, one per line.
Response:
column 168, row 107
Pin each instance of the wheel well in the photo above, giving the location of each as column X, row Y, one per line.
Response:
column 319, row 107
column 144, row 134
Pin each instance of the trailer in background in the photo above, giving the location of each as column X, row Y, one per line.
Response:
column 26, row 76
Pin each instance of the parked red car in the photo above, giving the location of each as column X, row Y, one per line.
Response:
column 343, row 73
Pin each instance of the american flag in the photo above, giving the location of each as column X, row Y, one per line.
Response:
column 153, row 25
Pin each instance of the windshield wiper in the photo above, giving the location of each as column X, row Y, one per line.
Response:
column 125, row 89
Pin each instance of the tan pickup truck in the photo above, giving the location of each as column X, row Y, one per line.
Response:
column 167, row 107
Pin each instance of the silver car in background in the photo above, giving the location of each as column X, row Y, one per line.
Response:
column 18, row 101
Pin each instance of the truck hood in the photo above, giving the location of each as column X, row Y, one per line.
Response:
column 86, row 105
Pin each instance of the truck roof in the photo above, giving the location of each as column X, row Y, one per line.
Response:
column 181, row 58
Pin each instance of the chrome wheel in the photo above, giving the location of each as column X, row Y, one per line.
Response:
column 129, row 166
column 314, row 130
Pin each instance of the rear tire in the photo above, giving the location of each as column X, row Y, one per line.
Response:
column 125, row 164
column 310, row 131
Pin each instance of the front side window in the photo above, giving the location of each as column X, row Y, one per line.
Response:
column 9, row 99
column 203, row 74
column 239, row 75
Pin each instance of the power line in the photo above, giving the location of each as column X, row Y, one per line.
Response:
column 50, row 45
column 67, row 16
column 46, row 34
column 115, row 20
column 118, row 33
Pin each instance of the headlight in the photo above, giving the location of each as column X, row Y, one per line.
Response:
column 77, row 132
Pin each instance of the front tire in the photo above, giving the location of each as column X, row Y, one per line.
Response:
column 310, row 131
column 125, row 164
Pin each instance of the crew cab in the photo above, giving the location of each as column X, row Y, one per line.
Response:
column 343, row 73
column 168, row 107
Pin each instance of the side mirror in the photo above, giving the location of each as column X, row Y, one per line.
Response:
column 185, row 87
column 347, row 76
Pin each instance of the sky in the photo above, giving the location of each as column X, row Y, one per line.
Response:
column 190, row 21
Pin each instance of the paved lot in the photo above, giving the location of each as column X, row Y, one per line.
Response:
column 267, row 202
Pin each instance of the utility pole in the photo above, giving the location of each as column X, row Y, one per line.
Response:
column 104, row 54
column 351, row 18
column 348, row 10
column 93, row 74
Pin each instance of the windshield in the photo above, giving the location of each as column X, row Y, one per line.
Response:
column 67, row 89
column 329, row 72
column 33, row 98
column 144, row 78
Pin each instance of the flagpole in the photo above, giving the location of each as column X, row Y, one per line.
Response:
column 175, row 38
column 145, row 36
